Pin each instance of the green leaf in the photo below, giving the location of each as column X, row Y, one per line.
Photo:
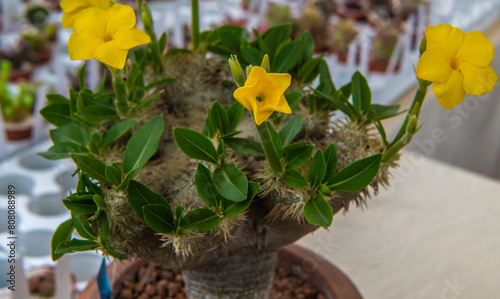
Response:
column 205, row 186
column 275, row 138
column 179, row 213
column 345, row 91
column 82, row 206
column 317, row 211
column 273, row 38
column 140, row 196
column 83, row 227
column 102, row 223
column 116, row 131
column 145, row 103
column 325, row 78
column 95, row 142
column 317, row 168
column 99, row 201
column 195, row 145
column 325, row 190
column 331, row 160
column 81, row 77
column 159, row 82
column 380, row 112
column 113, row 174
column 62, row 234
column 70, row 132
column 97, row 114
column 232, row 208
column 291, row 129
column 251, row 55
column 297, row 154
column 361, row 94
column 245, row 146
column 235, row 112
column 62, row 151
column 201, row 219
column 339, row 104
column 76, row 245
column 92, row 166
column 293, row 98
column 143, row 144
column 219, row 118
column 309, row 71
column 126, row 180
column 231, row 182
column 307, row 42
column 57, row 99
column 287, row 57
column 294, row 179
column 57, row 114
column 162, row 42
column 159, row 218
column 356, row 175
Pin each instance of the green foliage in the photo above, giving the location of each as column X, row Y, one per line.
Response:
column 356, row 175
column 140, row 196
column 318, row 211
column 231, row 182
column 195, row 145
column 62, row 234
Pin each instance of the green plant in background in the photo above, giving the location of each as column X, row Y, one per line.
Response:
column 342, row 35
column 278, row 14
column 384, row 43
column 15, row 106
column 171, row 169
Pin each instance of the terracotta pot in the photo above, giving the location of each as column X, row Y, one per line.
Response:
column 380, row 67
column 21, row 74
column 302, row 262
column 20, row 130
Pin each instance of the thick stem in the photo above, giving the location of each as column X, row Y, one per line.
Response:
column 245, row 275
column 195, row 24
column 269, row 150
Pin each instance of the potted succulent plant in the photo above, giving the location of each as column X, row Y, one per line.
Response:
column 16, row 106
column 41, row 34
column 342, row 35
column 382, row 47
column 172, row 169
column 312, row 20
column 353, row 9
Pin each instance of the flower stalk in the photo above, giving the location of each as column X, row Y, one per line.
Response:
column 269, row 149
column 195, row 25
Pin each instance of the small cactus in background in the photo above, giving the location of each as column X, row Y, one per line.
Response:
column 384, row 43
column 342, row 35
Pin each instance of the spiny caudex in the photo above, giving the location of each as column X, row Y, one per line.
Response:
column 173, row 169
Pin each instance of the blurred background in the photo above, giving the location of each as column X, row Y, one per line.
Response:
column 378, row 37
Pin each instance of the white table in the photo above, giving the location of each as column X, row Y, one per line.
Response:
column 434, row 234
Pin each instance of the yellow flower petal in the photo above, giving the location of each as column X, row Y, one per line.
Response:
column 282, row 106
column 450, row 93
column 261, row 115
column 72, row 5
column 82, row 44
column 121, row 17
column 67, row 19
column 476, row 49
column 256, row 74
column 445, row 37
column 109, row 54
column 92, row 20
column 104, row 4
column 477, row 80
column 127, row 39
column 282, row 81
column 245, row 96
column 433, row 66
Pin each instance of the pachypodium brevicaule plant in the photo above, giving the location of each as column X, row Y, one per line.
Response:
column 173, row 169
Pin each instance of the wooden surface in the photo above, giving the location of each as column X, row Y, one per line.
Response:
column 434, row 234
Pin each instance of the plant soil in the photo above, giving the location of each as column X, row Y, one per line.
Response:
column 153, row 282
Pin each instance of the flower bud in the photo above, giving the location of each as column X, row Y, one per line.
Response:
column 237, row 71
column 249, row 69
column 423, row 45
column 411, row 128
column 266, row 64
column 147, row 20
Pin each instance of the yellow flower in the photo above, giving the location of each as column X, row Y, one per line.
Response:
column 105, row 35
column 263, row 93
column 456, row 63
column 73, row 7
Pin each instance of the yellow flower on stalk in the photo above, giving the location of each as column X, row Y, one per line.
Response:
column 72, row 8
column 105, row 35
column 263, row 93
column 457, row 64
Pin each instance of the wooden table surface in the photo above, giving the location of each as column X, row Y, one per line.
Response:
column 434, row 234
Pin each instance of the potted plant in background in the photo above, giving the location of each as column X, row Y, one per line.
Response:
column 342, row 35
column 175, row 171
column 17, row 105
column 382, row 47
column 41, row 34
